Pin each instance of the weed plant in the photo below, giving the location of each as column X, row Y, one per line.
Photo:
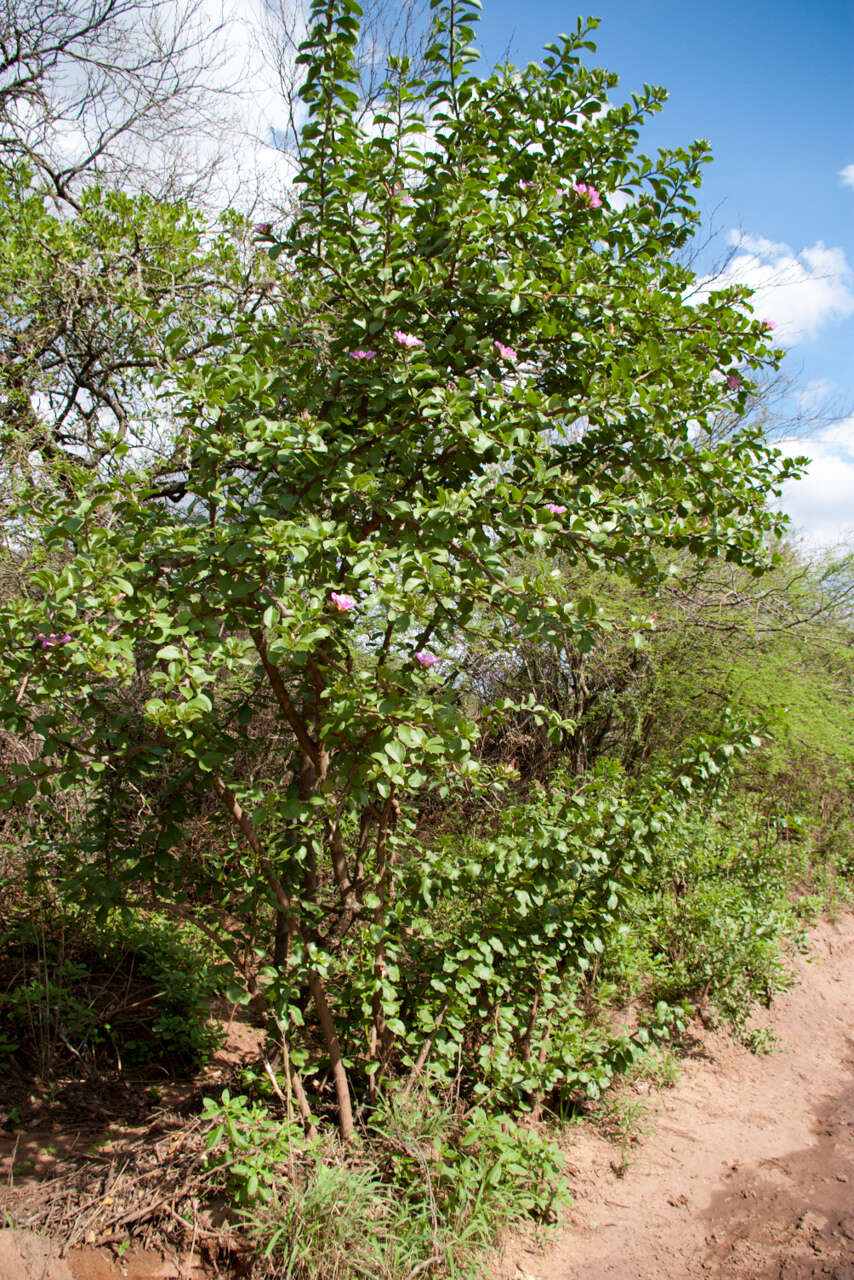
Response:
column 725, row 896
column 427, row 1189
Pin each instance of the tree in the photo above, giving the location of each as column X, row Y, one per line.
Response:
column 473, row 352
column 92, row 308
column 104, row 110
column 96, row 87
column 108, row 112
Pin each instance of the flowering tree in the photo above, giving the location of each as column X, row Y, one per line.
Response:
column 474, row 348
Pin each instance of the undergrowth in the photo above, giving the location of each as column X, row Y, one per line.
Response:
column 435, row 1176
column 726, row 897
column 437, row 1171
column 84, row 998
column 427, row 1188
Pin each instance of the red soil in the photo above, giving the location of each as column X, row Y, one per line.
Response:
column 746, row 1168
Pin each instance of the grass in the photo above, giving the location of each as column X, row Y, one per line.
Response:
column 427, row 1191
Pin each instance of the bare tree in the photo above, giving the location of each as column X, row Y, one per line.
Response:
column 114, row 90
column 168, row 95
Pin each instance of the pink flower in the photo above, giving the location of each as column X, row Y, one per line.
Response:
column 426, row 658
column 263, row 228
column 341, row 601
column 359, row 354
column 49, row 642
column 525, row 186
column 768, row 325
column 555, row 509
column 588, row 194
column 506, row 353
column 407, row 339
column 733, row 382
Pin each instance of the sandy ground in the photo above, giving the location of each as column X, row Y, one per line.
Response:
column 746, row 1167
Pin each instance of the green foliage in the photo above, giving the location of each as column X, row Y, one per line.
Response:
column 623, row 1119
column 459, row 366
column 382, row 597
column 432, row 1189
column 659, row 1067
column 334, row 1226
column 760, row 1040
column 248, row 1145
column 471, row 1162
column 711, row 916
column 133, row 991
column 93, row 306
column 507, row 925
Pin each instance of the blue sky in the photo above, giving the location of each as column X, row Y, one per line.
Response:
column 771, row 86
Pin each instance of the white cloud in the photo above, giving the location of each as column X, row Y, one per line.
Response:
column 619, row 200
column 254, row 110
column 226, row 114
column 801, row 292
column 815, row 394
column 759, row 245
column 821, row 503
column 846, row 175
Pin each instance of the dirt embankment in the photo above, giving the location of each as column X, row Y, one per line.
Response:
column 746, row 1169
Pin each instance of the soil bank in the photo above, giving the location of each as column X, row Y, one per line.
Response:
column 746, row 1167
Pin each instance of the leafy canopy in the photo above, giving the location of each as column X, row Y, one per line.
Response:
column 476, row 346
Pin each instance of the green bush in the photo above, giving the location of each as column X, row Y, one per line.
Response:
column 131, row 991
column 432, row 1189
column 711, row 916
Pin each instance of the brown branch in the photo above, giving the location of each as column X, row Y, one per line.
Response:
column 380, row 1040
column 336, row 1060
column 304, row 738
column 424, row 1051
column 315, row 983
column 232, row 804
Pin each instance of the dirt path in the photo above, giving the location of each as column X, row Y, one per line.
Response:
column 747, row 1169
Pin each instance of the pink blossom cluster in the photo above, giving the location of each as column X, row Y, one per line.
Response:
column 768, row 325
column 49, row 642
column 733, row 381
column 407, row 339
column 588, row 194
column 426, row 658
column 341, row 601
column 555, row 509
column 410, row 341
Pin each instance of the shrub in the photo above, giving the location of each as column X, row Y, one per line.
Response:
column 88, row 996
